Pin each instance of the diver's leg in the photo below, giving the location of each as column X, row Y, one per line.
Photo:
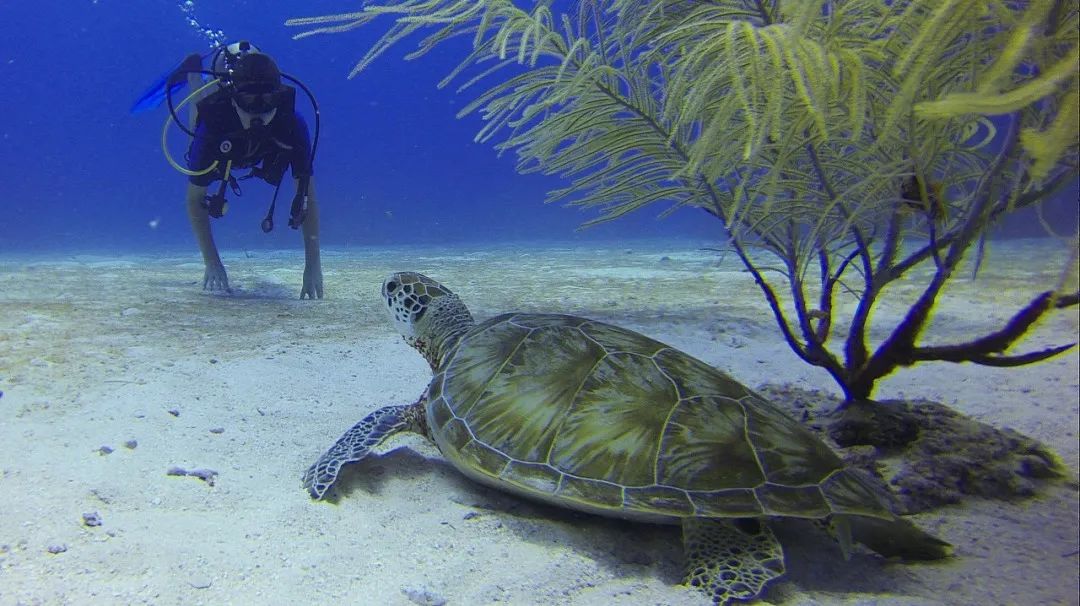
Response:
column 313, row 279
column 194, row 82
column 214, row 276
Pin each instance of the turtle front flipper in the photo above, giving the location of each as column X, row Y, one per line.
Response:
column 730, row 559
column 358, row 442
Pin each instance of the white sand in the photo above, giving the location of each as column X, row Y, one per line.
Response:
column 95, row 351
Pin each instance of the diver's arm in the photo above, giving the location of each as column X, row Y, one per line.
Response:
column 214, row 276
column 313, row 278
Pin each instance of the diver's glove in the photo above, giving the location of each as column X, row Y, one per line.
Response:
column 299, row 204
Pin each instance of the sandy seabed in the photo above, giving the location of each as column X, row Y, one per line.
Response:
column 127, row 353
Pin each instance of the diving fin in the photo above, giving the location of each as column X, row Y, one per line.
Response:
column 169, row 83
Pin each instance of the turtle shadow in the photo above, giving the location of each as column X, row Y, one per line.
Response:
column 626, row 549
column 815, row 562
column 623, row 548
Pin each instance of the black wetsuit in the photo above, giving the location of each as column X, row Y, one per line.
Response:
column 219, row 135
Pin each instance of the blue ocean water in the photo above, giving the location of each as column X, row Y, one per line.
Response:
column 394, row 164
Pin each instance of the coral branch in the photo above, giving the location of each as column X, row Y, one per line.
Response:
column 1022, row 359
column 983, row 350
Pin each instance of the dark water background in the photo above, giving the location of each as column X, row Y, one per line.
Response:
column 394, row 165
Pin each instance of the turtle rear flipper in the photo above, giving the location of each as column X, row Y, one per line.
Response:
column 730, row 559
column 897, row 538
column 357, row 443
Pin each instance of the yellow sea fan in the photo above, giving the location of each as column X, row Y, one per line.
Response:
column 957, row 104
column 1047, row 146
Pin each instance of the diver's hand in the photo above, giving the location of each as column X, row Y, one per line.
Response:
column 312, row 288
column 215, row 279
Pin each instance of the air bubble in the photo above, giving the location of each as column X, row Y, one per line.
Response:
column 215, row 38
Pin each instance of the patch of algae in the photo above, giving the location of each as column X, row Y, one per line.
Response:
column 929, row 454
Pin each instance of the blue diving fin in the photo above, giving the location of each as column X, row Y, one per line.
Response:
column 169, row 83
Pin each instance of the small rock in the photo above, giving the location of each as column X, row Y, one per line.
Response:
column 91, row 519
column 55, row 549
column 206, row 475
column 213, row 360
column 131, row 444
column 130, row 311
column 470, row 515
column 423, row 597
column 104, row 450
column 201, row 582
column 217, row 430
column 174, row 412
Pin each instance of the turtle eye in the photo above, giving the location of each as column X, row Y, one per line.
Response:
column 391, row 286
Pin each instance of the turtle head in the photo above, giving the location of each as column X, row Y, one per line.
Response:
column 426, row 313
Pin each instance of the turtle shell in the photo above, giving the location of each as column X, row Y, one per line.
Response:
column 598, row 418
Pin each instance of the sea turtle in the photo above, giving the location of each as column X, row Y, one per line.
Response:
column 597, row 418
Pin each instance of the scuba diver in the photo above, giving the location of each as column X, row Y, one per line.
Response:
column 243, row 118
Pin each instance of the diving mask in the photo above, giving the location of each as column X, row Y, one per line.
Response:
column 256, row 120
